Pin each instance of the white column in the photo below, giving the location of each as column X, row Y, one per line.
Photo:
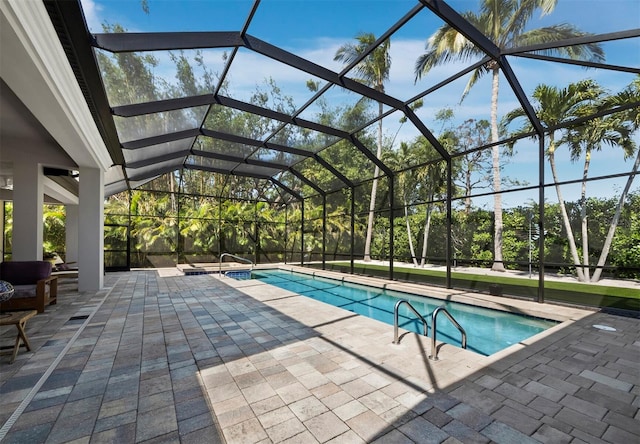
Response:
column 91, row 230
column 28, row 201
column 71, row 233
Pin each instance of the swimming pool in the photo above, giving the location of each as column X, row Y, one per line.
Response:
column 488, row 330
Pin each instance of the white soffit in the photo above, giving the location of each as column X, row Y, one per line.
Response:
column 34, row 65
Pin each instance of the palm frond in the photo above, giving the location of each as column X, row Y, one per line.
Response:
column 519, row 13
column 592, row 52
column 475, row 76
column 447, row 45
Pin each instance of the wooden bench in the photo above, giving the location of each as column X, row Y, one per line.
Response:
column 19, row 319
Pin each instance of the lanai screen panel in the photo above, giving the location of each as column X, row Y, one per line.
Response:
column 340, row 108
column 304, row 139
column 275, row 156
column 223, row 147
column 240, row 123
column 159, row 86
column 150, row 154
column 263, row 87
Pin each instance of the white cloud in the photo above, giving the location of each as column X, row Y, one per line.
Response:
column 92, row 12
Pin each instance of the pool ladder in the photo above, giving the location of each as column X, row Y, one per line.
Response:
column 434, row 317
column 241, row 259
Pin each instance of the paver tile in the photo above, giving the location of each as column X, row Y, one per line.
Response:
column 548, row 434
column 307, row 408
column 368, row 425
column 463, row 433
column 516, row 419
column 326, row 426
column 350, row 409
column 348, row 437
column 245, row 432
column 607, row 380
column 623, row 422
column 615, row 434
column 502, row 433
column 393, row 437
column 275, row 417
column 285, row 430
column 337, row 399
column 301, row 438
column 293, row 392
column 422, row 431
column 581, row 421
column 258, row 392
column 580, row 405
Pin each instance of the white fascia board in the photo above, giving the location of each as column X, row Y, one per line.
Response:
column 35, row 67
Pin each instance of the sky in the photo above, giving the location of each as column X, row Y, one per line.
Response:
column 315, row 29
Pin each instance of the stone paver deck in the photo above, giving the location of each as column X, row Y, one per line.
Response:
column 160, row 358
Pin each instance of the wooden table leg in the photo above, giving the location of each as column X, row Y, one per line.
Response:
column 19, row 319
column 21, row 335
column 16, row 347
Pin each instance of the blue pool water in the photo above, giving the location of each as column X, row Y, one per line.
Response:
column 488, row 331
column 240, row 275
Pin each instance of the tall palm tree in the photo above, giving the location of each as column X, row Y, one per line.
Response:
column 612, row 130
column 553, row 106
column 503, row 22
column 631, row 94
column 373, row 70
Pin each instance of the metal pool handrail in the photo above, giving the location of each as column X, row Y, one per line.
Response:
column 241, row 259
column 395, row 319
column 434, row 316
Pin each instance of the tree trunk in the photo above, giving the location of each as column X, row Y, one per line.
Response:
column 372, row 206
column 425, row 237
column 374, row 189
column 614, row 222
column 563, row 210
column 498, row 264
column 467, row 200
column 583, row 217
column 406, row 218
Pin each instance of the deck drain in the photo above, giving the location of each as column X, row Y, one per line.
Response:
column 603, row 327
column 77, row 319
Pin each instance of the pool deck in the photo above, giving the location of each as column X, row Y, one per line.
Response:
column 158, row 357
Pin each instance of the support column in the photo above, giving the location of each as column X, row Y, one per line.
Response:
column 72, row 215
column 28, row 201
column 91, row 230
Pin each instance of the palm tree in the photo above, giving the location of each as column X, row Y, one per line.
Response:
column 609, row 130
column 631, row 94
column 504, row 22
column 577, row 100
column 552, row 107
column 373, row 70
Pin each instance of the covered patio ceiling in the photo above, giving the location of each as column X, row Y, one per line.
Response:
column 190, row 138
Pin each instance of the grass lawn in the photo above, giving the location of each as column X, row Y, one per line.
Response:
column 605, row 296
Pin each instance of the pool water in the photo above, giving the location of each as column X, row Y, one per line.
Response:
column 241, row 275
column 488, row 331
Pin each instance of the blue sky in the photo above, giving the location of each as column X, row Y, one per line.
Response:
column 314, row 29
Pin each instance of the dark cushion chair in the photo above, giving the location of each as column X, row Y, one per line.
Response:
column 34, row 286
